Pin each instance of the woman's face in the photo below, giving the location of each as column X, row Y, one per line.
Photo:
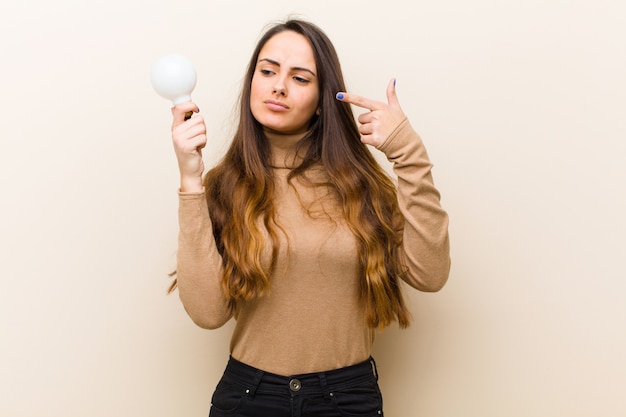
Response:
column 284, row 94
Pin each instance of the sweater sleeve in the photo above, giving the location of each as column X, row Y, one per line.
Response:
column 199, row 264
column 426, row 245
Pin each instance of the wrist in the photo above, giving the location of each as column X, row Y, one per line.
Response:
column 190, row 184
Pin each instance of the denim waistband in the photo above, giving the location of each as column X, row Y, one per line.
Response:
column 258, row 380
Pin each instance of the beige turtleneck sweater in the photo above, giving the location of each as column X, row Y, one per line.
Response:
column 313, row 319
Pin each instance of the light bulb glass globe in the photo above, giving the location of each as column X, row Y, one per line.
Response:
column 174, row 77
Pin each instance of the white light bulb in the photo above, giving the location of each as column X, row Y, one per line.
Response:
column 174, row 77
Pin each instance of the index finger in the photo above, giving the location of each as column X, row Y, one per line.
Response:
column 360, row 101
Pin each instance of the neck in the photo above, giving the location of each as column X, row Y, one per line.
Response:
column 284, row 147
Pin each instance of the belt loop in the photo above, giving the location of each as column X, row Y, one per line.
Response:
column 374, row 368
column 255, row 383
column 324, row 384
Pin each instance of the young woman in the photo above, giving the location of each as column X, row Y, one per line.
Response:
column 300, row 236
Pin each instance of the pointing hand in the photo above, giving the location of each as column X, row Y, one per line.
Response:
column 382, row 118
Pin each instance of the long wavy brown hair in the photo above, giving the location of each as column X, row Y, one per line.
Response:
column 240, row 189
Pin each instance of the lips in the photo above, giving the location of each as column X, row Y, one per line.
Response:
column 276, row 105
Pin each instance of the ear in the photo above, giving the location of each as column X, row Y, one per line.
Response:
column 318, row 111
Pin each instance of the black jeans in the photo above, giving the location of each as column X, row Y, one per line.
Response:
column 245, row 391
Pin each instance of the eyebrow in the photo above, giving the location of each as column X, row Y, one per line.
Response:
column 271, row 61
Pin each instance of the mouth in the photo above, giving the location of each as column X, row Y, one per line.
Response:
column 276, row 105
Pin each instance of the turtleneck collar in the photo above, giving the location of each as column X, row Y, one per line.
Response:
column 283, row 148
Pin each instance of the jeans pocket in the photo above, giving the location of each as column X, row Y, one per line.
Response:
column 227, row 398
column 362, row 400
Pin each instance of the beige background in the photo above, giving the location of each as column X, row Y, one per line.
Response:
column 521, row 105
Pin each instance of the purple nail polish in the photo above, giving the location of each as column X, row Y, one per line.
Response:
column 340, row 96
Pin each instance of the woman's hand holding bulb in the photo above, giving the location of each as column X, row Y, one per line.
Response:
column 189, row 138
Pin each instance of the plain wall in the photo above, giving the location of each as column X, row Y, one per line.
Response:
column 521, row 105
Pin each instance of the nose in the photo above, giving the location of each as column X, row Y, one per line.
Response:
column 280, row 90
column 279, row 87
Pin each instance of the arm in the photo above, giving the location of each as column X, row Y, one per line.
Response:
column 426, row 246
column 199, row 264
column 199, row 267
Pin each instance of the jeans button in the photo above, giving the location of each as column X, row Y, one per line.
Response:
column 295, row 385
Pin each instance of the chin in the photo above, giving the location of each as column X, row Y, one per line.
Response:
column 273, row 126
column 281, row 129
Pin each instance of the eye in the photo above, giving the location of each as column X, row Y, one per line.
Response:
column 266, row 72
column 301, row 80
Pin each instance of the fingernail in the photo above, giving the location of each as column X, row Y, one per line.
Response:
column 394, row 82
column 340, row 96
